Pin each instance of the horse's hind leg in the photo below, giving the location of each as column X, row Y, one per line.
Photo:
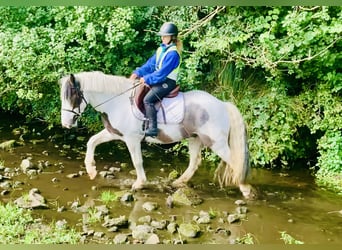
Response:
column 223, row 172
column 226, row 174
column 101, row 137
column 195, row 147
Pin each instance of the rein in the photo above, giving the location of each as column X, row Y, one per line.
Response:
column 108, row 100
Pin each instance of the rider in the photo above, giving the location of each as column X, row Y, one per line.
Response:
column 159, row 73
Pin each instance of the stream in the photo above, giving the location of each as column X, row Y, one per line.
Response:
column 289, row 202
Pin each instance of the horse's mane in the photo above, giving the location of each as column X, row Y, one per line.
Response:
column 97, row 81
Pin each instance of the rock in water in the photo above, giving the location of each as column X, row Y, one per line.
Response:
column 153, row 239
column 26, row 165
column 150, row 206
column 32, row 200
column 142, row 232
column 120, row 239
column 186, row 196
column 189, row 230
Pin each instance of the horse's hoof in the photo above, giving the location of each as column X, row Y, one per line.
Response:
column 92, row 175
column 249, row 192
column 137, row 186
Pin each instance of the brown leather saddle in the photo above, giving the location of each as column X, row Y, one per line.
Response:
column 142, row 90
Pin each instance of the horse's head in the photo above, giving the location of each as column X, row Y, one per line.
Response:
column 73, row 102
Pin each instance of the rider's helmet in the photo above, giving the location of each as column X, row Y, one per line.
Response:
column 168, row 29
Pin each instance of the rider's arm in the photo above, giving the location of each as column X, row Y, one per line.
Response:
column 170, row 62
column 147, row 68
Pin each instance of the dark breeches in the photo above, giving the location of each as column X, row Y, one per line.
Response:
column 158, row 91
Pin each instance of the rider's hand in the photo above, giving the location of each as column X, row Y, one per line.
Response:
column 142, row 81
column 133, row 76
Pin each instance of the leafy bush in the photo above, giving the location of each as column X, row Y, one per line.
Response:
column 273, row 120
column 330, row 161
column 53, row 41
column 19, row 227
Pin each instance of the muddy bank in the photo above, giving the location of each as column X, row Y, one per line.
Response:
column 53, row 164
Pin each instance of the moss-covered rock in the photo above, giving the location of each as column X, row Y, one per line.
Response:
column 7, row 145
column 186, row 196
column 189, row 230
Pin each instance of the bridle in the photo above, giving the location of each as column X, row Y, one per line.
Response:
column 79, row 98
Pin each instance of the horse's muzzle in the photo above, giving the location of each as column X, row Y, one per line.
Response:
column 68, row 126
column 69, row 119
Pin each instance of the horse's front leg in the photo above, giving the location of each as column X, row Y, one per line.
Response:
column 195, row 147
column 134, row 148
column 101, row 137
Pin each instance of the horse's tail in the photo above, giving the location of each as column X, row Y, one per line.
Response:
column 236, row 172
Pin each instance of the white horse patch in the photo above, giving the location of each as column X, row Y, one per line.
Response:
column 170, row 111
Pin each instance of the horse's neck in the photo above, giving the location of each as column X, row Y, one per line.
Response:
column 104, row 101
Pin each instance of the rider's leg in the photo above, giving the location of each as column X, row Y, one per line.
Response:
column 156, row 94
column 151, row 115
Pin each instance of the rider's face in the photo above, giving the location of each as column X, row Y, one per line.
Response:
column 166, row 39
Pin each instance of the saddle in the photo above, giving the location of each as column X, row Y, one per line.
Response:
column 169, row 110
column 142, row 90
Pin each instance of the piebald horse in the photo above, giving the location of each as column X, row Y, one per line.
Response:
column 207, row 122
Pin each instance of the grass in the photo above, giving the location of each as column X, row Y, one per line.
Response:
column 288, row 239
column 247, row 239
column 213, row 213
column 19, row 227
column 233, row 82
column 93, row 216
column 108, row 196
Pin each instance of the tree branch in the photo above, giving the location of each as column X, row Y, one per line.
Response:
column 309, row 57
column 202, row 21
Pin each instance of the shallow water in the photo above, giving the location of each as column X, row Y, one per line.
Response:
column 288, row 201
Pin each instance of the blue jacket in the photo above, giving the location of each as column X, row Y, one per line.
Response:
column 153, row 76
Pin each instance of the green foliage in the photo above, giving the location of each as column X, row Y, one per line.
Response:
column 19, row 227
column 108, row 197
column 326, row 116
column 273, row 121
column 213, row 213
column 330, row 161
column 52, row 41
column 90, row 119
column 93, row 216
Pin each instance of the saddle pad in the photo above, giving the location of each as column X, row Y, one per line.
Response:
column 173, row 108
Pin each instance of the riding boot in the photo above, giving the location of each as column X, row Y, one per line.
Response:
column 151, row 115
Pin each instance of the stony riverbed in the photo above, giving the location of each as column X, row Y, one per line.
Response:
column 43, row 170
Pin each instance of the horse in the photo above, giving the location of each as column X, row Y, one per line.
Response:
column 207, row 122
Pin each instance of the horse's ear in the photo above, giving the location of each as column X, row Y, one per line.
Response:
column 72, row 78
